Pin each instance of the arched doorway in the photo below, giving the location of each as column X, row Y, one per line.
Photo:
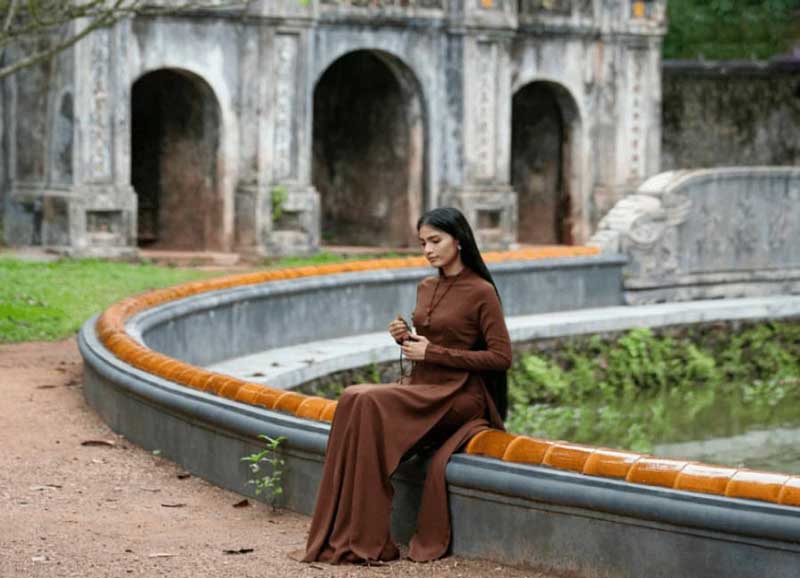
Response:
column 175, row 141
column 368, row 152
column 543, row 115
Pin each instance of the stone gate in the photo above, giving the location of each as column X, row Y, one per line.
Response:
column 271, row 130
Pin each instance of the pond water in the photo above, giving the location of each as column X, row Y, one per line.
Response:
column 731, row 401
column 754, row 428
column 776, row 450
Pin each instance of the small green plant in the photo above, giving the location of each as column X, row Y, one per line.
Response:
column 279, row 195
column 271, row 484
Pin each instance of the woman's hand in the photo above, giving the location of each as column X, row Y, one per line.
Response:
column 414, row 348
column 399, row 330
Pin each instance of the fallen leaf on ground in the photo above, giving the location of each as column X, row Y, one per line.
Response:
column 98, row 443
column 45, row 487
column 176, row 505
column 239, row 551
column 161, row 555
column 45, row 387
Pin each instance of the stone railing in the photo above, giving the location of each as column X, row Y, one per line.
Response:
column 729, row 232
column 515, row 499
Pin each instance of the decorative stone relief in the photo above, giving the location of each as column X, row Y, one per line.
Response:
column 710, row 245
column 484, row 123
column 744, row 237
column 388, row 3
column 285, row 97
column 637, row 133
column 100, row 109
column 650, row 10
column 707, row 233
column 778, row 235
column 535, row 7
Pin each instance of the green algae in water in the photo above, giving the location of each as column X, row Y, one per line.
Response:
column 639, row 390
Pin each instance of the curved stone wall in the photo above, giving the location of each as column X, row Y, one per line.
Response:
column 147, row 386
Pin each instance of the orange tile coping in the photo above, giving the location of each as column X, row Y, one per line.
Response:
column 588, row 460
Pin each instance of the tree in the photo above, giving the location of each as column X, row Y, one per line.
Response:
column 43, row 28
column 730, row 29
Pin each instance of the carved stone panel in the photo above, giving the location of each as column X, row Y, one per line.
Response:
column 483, row 119
column 708, row 233
column 99, row 130
column 377, row 4
column 565, row 7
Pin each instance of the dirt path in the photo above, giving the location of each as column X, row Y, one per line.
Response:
column 68, row 509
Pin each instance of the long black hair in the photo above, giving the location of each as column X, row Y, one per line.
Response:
column 452, row 221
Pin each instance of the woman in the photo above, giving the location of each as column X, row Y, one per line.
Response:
column 457, row 387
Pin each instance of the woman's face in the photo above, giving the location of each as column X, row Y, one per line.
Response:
column 438, row 247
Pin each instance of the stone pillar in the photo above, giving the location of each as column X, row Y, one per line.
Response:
column 252, row 223
column 286, row 203
column 638, row 103
column 102, row 210
column 481, row 188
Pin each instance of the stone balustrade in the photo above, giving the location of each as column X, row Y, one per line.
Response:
column 711, row 233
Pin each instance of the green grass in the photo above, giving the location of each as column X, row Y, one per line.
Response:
column 50, row 301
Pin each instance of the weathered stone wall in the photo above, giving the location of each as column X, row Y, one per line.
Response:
column 38, row 136
column 730, row 114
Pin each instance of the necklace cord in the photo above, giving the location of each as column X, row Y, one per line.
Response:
column 433, row 304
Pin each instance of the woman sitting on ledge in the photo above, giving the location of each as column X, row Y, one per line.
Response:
column 457, row 387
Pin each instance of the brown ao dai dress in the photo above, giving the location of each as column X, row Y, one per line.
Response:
column 444, row 402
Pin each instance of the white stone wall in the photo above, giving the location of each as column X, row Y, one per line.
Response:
column 464, row 61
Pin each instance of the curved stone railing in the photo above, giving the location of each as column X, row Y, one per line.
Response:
column 710, row 233
column 161, row 399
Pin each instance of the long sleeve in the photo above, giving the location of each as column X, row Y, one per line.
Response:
column 496, row 357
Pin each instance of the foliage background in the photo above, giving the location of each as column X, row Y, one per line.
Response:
column 731, row 29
